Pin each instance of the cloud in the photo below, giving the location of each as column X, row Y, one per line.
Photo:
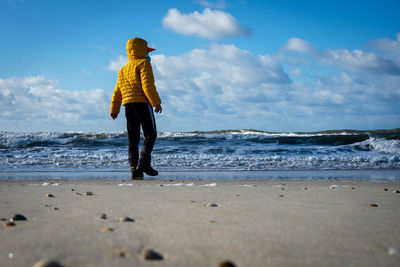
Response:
column 118, row 63
column 211, row 24
column 352, row 60
column 33, row 103
column 298, row 45
column 220, row 4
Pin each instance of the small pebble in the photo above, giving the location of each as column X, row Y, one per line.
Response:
column 47, row 263
column 396, row 192
column 103, row 216
column 211, row 205
column 71, row 189
column 88, row 193
column 3, row 219
column 126, row 219
column 372, row 205
column 282, row 188
column 237, row 195
column 150, row 254
column 280, row 195
column 226, row 264
column 384, row 189
column 18, row 217
column 305, row 188
column 107, row 229
column 351, row 188
column 392, row 251
column 55, row 208
column 9, row 224
column 212, row 221
column 47, row 205
column 121, row 254
column 192, row 201
column 49, row 195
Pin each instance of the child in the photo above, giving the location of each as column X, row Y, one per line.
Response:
column 135, row 88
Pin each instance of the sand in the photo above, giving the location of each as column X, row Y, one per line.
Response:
column 201, row 223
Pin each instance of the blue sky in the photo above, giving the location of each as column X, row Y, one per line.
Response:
column 268, row 65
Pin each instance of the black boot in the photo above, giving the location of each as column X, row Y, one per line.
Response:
column 147, row 169
column 136, row 174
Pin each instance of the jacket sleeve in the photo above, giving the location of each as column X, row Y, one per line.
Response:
column 149, row 88
column 116, row 98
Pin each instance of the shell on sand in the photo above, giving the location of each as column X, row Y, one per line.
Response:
column 8, row 224
column 226, row 264
column 47, row 263
column 126, row 219
column 150, row 254
column 18, row 217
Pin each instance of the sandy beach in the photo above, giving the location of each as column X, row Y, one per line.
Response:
column 200, row 223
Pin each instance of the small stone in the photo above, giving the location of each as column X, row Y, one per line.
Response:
column 126, row 219
column 237, row 195
column 3, row 219
column 351, row 188
column 121, row 254
column 192, row 201
column 282, row 188
column 305, row 188
column 103, row 216
column 280, row 195
column 211, row 205
column 71, row 189
column 55, row 208
column 88, row 193
column 226, row 264
column 79, row 194
column 150, row 254
column 9, row 224
column 47, row 263
column 384, row 189
column 107, row 229
column 18, row 217
column 392, row 251
column 49, row 195
column 372, row 205
column 161, row 185
column 396, row 192
column 212, row 221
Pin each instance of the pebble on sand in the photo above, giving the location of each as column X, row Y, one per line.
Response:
column 47, row 263
column 396, row 192
column 280, row 195
column 49, row 195
column 107, row 229
column 18, row 217
column 71, row 189
column 150, row 254
column 126, row 219
column 351, row 188
column 305, row 188
column 372, row 205
column 103, row 216
column 88, row 193
column 9, row 224
column 211, row 205
column 226, row 264
column 384, row 189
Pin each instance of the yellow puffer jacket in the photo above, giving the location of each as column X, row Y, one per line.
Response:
column 135, row 79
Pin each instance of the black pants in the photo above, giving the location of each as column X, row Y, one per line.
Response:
column 140, row 114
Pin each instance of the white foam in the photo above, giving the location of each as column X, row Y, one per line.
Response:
column 125, row 184
column 212, row 184
column 178, row 184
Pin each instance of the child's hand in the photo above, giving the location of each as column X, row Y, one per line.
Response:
column 114, row 115
column 158, row 109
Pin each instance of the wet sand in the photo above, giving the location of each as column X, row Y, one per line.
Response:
column 201, row 223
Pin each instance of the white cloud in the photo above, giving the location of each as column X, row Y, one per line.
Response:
column 298, row 45
column 35, row 103
column 211, row 24
column 221, row 4
column 118, row 63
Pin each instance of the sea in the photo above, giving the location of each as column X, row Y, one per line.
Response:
column 226, row 155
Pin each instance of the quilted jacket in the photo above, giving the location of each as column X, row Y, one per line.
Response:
column 135, row 79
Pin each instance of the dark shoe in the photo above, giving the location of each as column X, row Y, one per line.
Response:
column 147, row 169
column 136, row 174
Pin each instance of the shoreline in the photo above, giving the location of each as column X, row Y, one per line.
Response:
column 379, row 175
column 254, row 222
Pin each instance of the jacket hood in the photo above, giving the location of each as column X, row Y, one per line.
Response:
column 136, row 48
